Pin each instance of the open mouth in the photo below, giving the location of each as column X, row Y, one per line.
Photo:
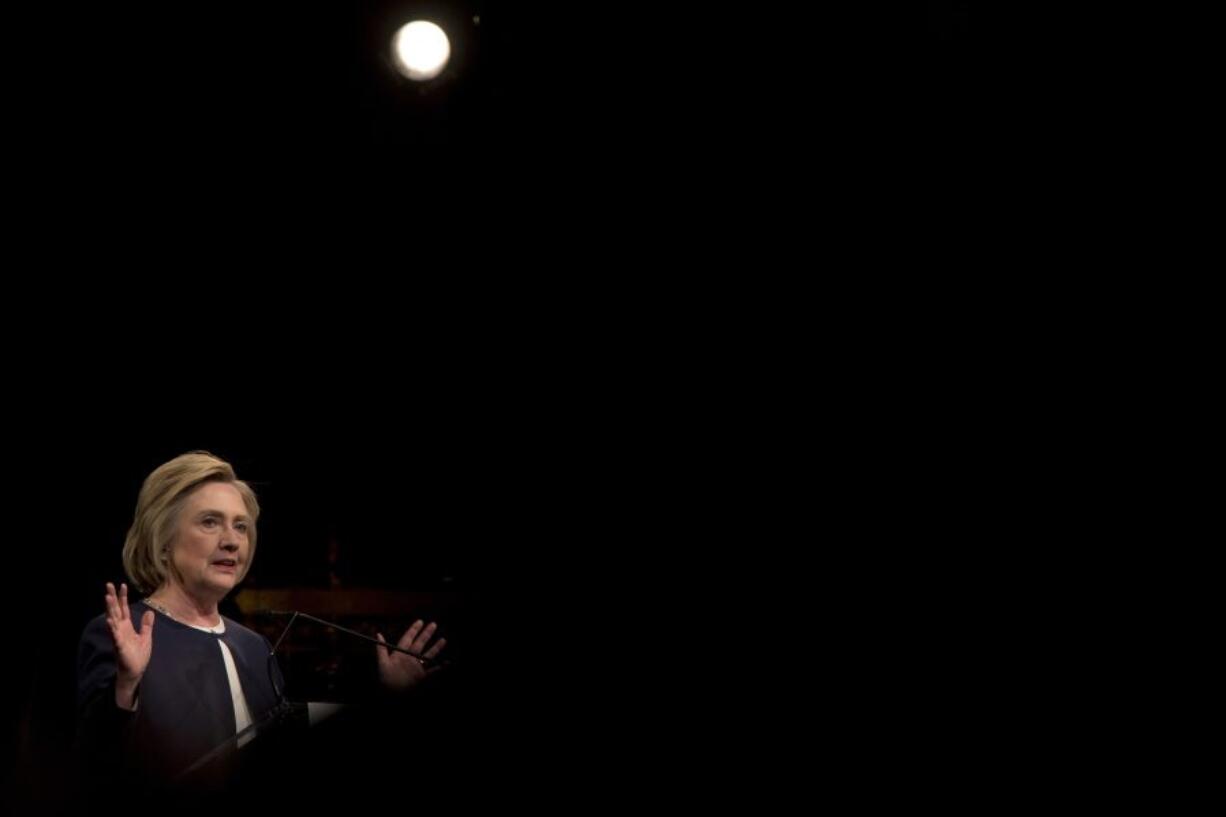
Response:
column 228, row 565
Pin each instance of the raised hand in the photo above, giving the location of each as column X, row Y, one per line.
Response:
column 132, row 647
column 399, row 671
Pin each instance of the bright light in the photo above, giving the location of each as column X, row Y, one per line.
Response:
column 421, row 50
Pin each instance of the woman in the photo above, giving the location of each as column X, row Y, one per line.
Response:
column 164, row 680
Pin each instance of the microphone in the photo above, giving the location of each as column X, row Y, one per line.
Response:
column 294, row 614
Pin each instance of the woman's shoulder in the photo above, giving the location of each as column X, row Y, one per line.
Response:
column 96, row 630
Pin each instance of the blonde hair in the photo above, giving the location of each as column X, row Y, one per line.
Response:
column 161, row 499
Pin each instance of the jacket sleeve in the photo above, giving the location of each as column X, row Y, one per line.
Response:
column 104, row 729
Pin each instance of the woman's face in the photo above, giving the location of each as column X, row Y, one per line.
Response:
column 211, row 550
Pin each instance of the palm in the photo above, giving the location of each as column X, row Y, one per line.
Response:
column 398, row 671
column 132, row 647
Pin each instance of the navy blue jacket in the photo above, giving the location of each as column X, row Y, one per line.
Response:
column 184, row 706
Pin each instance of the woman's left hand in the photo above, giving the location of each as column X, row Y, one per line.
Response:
column 398, row 671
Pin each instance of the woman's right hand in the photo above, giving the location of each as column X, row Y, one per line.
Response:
column 132, row 648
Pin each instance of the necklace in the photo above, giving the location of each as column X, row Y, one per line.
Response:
column 162, row 609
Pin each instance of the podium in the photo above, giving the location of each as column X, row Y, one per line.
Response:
column 247, row 762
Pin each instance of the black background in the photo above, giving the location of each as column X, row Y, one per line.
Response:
column 555, row 499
